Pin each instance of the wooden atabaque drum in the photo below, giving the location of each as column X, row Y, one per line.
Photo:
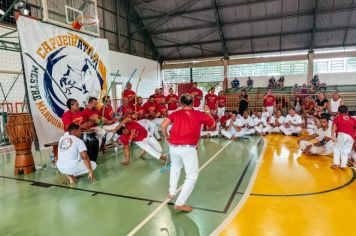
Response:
column 19, row 129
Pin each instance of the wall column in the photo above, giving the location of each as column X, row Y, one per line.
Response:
column 310, row 72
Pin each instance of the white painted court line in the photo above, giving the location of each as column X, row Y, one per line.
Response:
column 163, row 204
column 245, row 196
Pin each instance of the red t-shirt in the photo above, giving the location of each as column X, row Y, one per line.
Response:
column 268, row 101
column 223, row 120
column 128, row 93
column 210, row 100
column 162, row 109
column 345, row 124
column 172, row 106
column 196, row 91
column 308, row 105
column 126, row 109
column 69, row 117
column 108, row 112
column 150, row 108
column 133, row 126
column 222, row 101
column 186, row 125
column 158, row 98
column 140, row 112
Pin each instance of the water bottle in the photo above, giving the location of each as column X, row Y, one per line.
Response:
column 51, row 156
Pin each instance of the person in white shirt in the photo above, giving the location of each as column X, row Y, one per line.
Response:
column 334, row 104
column 247, row 124
column 232, row 128
column 324, row 144
column 313, row 124
column 73, row 159
column 265, row 114
column 275, row 123
column 260, row 124
column 292, row 124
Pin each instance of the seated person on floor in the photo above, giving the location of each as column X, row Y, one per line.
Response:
column 73, row 160
column 265, row 114
column 224, row 119
column 151, row 112
column 324, row 145
column 313, row 124
column 232, row 129
column 132, row 131
column 275, row 123
column 247, row 124
column 260, row 124
column 292, row 124
column 352, row 157
column 209, row 132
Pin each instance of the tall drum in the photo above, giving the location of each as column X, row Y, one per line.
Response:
column 19, row 129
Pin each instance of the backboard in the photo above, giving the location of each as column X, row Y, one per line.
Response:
column 64, row 12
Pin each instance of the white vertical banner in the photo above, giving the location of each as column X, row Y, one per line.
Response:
column 60, row 64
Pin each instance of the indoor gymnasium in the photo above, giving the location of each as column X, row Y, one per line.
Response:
column 177, row 117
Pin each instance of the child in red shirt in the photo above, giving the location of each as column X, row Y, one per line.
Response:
column 343, row 133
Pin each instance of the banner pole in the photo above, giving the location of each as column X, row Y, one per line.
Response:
column 37, row 144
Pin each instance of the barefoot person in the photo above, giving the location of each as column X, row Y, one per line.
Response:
column 183, row 139
column 73, row 159
column 324, row 145
column 343, row 133
column 132, row 131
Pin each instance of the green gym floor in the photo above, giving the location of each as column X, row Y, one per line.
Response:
column 125, row 198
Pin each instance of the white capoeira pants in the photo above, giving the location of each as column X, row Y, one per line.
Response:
column 221, row 111
column 77, row 170
column 187, row 157
column 271, row 129
column 153, row 128
column 211, row 133
column 290, row 130
column 260, row 129
column 105, row 132
column 342, row 148
column 232, row 132
column 151, row 146
column 316, row 150
column 270, row 110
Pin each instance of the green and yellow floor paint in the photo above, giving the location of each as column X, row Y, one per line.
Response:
column 292, row 194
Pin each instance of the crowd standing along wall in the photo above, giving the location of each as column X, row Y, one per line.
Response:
column 346, row 78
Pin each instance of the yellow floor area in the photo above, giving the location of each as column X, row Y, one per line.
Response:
column 296, row 194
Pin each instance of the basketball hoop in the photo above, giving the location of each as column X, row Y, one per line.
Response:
column 83, row 21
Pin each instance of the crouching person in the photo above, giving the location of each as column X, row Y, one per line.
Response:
column 324, row 145
column 73, row 160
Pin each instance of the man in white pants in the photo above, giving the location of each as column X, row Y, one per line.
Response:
column 292, row 124
column 73, row 159
column 275, row 123
column 232, row 128
column 324, row 145
column 260, row 124
column 132, row 131
column 183, row 139
column 343, row 133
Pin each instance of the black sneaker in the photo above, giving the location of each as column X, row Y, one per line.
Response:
column 295, row 134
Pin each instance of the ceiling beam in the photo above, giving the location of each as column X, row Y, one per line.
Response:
column 262, row 36
column 182, row 12
column 348, row 23
column 312, row 38
column 219, row 25
column 254, row 20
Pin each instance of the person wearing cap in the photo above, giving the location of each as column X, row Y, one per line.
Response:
column 183, row 138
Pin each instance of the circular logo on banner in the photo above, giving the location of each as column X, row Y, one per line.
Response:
column 71, row 69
